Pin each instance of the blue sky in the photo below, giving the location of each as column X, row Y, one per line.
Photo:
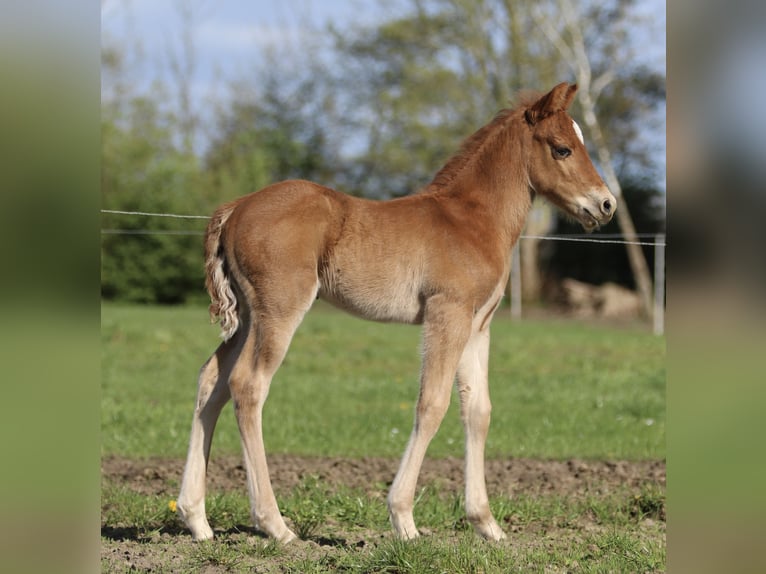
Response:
column 230, row 33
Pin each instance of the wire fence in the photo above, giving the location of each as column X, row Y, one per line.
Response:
column 146, row 213
column 149, row 232
column 658, row 242
column 659, row 239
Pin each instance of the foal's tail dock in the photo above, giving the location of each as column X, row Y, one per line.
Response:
column 223, row 301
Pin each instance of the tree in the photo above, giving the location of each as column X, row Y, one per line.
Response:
column 272, row 133
column 148, row 259
column 423, row 82
column 183, row 66
column 569, row 40
column 150, row 165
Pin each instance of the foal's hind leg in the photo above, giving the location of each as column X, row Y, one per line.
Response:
column 212, row 395
column 475, row 410
column 262, row 355
column 446, row 327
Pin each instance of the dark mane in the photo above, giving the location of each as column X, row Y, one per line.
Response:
column 447, row 174
column 471, row 146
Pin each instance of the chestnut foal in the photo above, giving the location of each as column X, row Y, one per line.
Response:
column 439, row 258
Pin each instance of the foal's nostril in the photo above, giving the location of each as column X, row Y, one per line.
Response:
column 606, row 207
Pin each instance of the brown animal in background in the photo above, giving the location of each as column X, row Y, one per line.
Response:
column 439, row 258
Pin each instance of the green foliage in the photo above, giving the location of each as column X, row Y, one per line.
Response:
column 206, row 555
column 649, row 503
column 148, row 261
column 145, row 168
column 271, row 135
column 307, row 507
column 423, row 94
column 558, row 389
column 228, row 510
column 146, row 514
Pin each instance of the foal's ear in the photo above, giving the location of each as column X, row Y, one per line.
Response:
column 557, row 100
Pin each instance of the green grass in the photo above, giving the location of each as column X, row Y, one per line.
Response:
column 347, row 388
column 349, row 533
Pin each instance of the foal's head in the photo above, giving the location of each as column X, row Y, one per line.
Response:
column 559, row 167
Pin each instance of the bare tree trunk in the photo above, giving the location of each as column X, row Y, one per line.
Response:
column 635, row 255
column 589, row 90
column 530, row 271
column 539, row 223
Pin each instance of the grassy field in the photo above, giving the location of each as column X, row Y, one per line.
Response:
column 346, row 530
column 347, row 388
column 560, row 390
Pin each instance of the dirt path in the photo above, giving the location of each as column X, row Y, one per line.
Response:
column 508, row 477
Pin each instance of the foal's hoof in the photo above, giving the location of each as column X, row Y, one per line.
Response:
column 286, row 537
column 404, row 527
column 203, row 535
column 200, row 529
column 491, row 531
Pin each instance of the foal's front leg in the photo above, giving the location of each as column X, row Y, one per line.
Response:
column 446, row 327
column 475, row 410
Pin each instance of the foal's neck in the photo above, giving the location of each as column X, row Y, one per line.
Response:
column 493, row 182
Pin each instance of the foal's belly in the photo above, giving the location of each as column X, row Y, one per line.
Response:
column 396, row 301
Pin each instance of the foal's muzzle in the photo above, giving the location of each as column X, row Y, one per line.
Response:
column 596, row 209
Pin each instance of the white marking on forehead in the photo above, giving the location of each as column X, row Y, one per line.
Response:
column 578, row 131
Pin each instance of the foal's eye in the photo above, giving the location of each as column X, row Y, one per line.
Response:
column 562, row 152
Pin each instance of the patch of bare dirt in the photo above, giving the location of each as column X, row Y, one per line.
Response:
column 504, row 477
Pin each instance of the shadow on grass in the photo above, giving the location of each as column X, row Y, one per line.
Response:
column 333, row 541
column 144, row 534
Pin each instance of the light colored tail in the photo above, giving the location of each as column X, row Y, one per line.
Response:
column 223, row 305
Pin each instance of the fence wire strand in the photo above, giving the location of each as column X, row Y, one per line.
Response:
column 572, row 237
column 586, row 240
column 150, row 232
column 117, row 212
